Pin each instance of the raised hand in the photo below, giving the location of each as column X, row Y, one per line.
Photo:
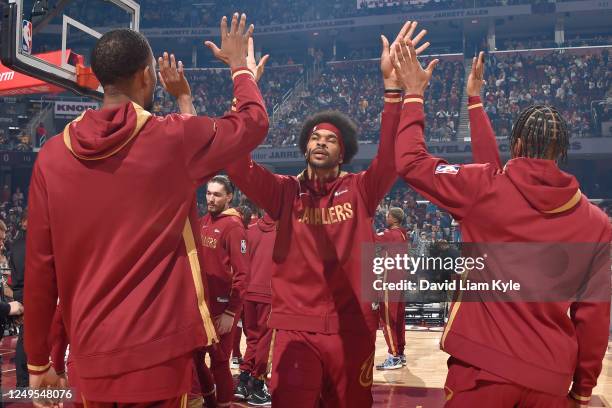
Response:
column 172, row 76
column 413, row 77
column 386, row 66
column 254, row 67
column 476, row 77
column 234, row 44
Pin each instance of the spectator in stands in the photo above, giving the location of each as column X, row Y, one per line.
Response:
column 17, row 266
column 24, row 144
column 18, row 198
column 41, row 134
column 7, row 309
column 455, row 233
column 566, row 80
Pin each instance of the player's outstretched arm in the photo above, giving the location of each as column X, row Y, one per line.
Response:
column 267, row 190
column 452, row 187
column 380, row 176
column 172, row 79
column 484, row 143
column 210, row 143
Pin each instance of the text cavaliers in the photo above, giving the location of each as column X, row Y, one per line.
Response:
column 327, row 215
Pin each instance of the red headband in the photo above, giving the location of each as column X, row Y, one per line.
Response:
column 331, row 128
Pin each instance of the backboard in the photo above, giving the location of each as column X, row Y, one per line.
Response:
column 51, row 40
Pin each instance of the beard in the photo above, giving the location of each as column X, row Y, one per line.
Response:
column 214, row 210
column 328, row 163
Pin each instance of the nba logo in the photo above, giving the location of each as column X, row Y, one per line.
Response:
column 26, row 39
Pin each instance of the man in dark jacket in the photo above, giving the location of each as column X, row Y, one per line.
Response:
column 7, row 309
column 17, row 264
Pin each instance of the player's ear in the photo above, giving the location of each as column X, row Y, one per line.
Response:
column 148, row 76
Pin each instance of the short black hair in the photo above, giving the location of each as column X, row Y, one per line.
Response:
column 118, row 54
column 346, row 125
column 542, row 130
column 225, row 182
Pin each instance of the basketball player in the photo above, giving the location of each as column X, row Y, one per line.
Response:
column 225, row 263
column 325, row 333
column 392, row 314
column 132, row 293
column 509, row 354
column 261, row 237
column 248, row 218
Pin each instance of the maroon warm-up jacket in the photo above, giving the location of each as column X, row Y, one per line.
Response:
column 395, row 237
column 261, row 237
column 397, row 234
column 316, row 282
column 542, row 346
column 58, row 342
column 111, row 233
column 225, row 259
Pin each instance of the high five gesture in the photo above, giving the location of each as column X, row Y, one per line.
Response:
column 476, row 77
column 234, row 43
column 407, row 67
column 386, row 66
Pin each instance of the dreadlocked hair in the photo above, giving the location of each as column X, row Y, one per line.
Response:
column 542, row 131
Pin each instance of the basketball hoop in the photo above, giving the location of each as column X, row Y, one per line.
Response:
column 85, row 76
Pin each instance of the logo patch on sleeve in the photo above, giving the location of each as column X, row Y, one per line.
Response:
column 447, row 169
column 243, row 247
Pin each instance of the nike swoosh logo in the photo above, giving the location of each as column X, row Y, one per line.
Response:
column 337, row 193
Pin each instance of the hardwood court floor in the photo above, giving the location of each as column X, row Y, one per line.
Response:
column 426, row 368
column 418, row 385
column 421, row 382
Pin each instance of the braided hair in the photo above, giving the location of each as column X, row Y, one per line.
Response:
column 542, row 131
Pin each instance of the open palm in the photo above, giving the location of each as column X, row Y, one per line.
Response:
column 386, row 65
column 414, row 78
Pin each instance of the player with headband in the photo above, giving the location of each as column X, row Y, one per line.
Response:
column 325, row 331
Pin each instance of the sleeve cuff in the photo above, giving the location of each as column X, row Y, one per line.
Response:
column 413, row 99
column 39, row 369
column 229, row 312
column 580, row 398
column 393, row 97
column 240, row 71
column 474, row 102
